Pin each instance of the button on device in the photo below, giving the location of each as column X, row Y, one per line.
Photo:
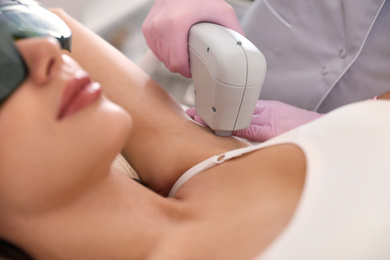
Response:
column 343, row 53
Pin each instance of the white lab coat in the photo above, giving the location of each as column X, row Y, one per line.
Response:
column 322, row 54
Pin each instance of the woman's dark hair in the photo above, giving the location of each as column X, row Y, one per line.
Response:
column 9, row 251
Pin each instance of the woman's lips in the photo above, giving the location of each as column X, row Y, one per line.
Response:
column 79, row 92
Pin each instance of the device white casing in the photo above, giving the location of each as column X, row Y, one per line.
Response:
column 228, row 73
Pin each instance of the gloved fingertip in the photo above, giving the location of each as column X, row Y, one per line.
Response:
column 168, row 66
column 186, row 72
column 179, row 59
column 199, row 120
column 241, row 133
column 191, row 112
column 252, row 134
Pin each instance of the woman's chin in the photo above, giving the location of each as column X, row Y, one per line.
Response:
column 116, row 118
column 121, row 118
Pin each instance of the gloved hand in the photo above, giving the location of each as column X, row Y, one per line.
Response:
column 271, row 118
column 168, row 23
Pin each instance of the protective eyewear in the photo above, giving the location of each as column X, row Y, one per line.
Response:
column 21, row 19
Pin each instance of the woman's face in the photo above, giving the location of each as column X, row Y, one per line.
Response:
column 57, row 126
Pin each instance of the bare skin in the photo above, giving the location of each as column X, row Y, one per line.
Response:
column 231, row 211
column 271, row 182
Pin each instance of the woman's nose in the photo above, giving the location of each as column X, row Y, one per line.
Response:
column 42, row 57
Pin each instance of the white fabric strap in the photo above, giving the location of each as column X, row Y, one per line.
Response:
column 208, row 163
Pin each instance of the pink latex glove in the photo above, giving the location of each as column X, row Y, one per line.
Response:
column 167, row 25
column 271, row 118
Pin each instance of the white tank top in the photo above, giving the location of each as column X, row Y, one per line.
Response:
column 344, row 210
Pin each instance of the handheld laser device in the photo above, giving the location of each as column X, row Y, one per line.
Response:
column 228, row 73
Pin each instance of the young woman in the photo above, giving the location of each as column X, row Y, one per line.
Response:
column 60, row 197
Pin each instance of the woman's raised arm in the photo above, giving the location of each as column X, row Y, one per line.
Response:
column 163, row 135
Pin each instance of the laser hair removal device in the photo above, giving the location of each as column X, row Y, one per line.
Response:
column 228, row 73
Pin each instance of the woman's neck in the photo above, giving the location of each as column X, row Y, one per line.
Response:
column 117, row 216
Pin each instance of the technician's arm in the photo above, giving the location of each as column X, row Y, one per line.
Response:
column 167, row 25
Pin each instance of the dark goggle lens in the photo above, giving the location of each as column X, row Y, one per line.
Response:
column 20, row 20
column 35, row 21
column 12, row 68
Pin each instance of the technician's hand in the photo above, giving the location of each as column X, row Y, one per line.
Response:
column 167, row 25
column 271, row 118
